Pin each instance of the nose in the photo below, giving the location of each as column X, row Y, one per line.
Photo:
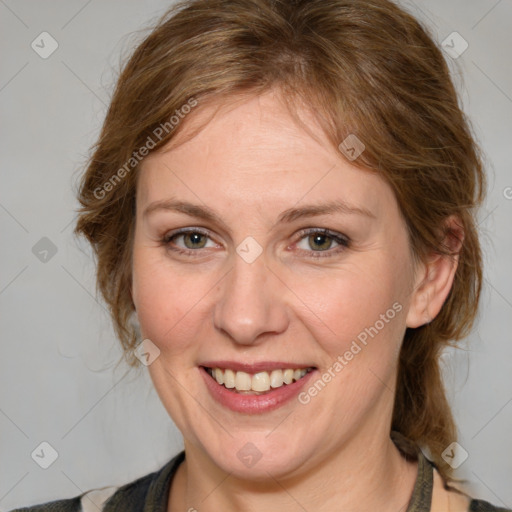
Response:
column 251, row 303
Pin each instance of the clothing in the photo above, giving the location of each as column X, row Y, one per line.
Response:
column 150, row 493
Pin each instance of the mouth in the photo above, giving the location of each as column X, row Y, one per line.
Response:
column 259, row 383
column 255, row 388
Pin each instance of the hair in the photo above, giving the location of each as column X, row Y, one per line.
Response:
column 364, row 67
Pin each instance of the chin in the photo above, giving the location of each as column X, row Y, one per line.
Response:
column 259, row 459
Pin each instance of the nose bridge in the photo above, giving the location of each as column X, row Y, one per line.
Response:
column 250, row 302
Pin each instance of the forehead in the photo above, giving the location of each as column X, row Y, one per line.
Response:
column 254, row 151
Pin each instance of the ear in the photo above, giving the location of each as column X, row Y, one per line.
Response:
column 434, row 277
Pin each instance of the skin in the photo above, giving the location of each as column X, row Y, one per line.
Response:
column 248, row 164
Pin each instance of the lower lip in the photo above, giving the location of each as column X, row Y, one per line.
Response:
column 254, row 404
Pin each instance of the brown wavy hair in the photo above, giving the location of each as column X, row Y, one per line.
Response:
column 364, row 67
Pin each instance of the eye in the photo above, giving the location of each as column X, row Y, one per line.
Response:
column 322, row 240
column 187, row 240
column 314, row 241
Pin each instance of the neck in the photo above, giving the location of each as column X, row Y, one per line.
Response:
column 369, row 474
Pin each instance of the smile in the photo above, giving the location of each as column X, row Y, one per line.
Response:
column 255, row 388
column 257, row 383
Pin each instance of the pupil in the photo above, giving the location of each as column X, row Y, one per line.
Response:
column 193, row 240
column 321, row 241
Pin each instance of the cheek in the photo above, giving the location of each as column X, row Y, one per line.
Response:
column 358, row 311
column 167, row 303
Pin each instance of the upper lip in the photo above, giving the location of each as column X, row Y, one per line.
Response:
column 254, row 367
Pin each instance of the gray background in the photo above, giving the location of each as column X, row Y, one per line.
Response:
column 57, row 378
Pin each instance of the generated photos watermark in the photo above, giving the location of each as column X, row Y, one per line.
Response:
column 158, row 134
column 355, row 348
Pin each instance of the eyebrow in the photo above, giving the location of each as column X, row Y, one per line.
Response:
column 290, row 215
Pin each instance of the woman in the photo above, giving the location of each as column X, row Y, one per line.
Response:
column 283, row 197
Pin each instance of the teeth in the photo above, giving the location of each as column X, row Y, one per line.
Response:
column 297, row 374
column 229, row 378
column 242, row 381
column 288, row 376
column 276, row 378
column 219, row 376
column 259, row 382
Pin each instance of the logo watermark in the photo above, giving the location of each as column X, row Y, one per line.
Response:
column 352, row 147
column 454, row 455
column 455, row 45
column 249, row 455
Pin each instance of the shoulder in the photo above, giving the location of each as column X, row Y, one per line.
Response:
column 450, row 497
column 71, row 505
column 484, row 506
column 131, row 496
column 91, row 501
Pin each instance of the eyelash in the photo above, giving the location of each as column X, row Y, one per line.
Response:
column 343, row 241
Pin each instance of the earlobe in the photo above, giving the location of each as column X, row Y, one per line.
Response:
column 435, row 278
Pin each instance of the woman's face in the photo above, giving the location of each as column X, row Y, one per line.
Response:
column 259, row 250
